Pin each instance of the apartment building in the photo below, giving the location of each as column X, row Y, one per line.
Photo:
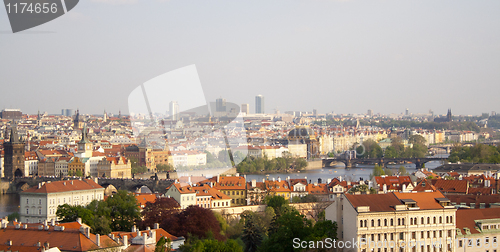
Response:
column 478, row 230
column 395, row 222
column 39, row 203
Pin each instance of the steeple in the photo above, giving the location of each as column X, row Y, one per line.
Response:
column 14, row 136
column 84, row 135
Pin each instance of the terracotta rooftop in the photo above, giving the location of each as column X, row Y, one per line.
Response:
column 425, row 200
column 64, row 186
column 451, row 186
column 376, row 202
column 466, row 218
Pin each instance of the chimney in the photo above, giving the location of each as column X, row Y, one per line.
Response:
column 328, row 181
column 125, row 241
column 18, row 226
column 144, row 236
column 254, row 183
column 404, row 187
column 79, row 220
column 385, row 188
column 156, row 226
column 274, row 179
column 263, row 180
column 40, row 227
column 148, row 228
column 46, row 245
column 39, row 185
column 98, row 240
column 217, row 178
column 45, row 222
column 134, row 228
column 279, row 179
column 53, row 222
column 9, row 242
column 87, row 232
column 25, row 226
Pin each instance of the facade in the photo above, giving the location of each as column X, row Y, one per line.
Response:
column 384, row 184
column 40, row 203
column 47, row 167
column 114, row 167
column 404, row 221
column 30, row 164
column 278, row 188
column 76, row 166
column 11, row 114
column 174, row 110
column 234, row 187
column 184, row 195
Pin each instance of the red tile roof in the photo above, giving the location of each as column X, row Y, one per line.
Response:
column 231, row 183
column 425, row 200
column 376, row 202
column 64, row 186
column 451, row 186
column 466, row 218
column 67, row 240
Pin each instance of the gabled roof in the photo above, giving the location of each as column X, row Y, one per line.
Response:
column 451, row 186
column 231, row 183
column 317, row 189
column 423, row 186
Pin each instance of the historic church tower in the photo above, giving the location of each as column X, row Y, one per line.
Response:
column 77, row 122
column 14, row 155
column 84, row 146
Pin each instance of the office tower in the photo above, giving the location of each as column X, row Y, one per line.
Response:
column 245, row 108
column 259, row 104
column 407, row 111
column 370, row 113
column 174, row 110
column 220, row 105
column 315, row 112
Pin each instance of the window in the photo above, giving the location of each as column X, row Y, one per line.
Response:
column 373, row 237
column 428, row 234
column 440, row 233
column 399, row 221
column 392, row 236
column 401, row 235
column 460, row 243
column 378, row 222
column 27, row 201
column 411, row 221
column 360, row 223
column 414, row 235
column 378, row 237
column 403, row 221
column 487, row 240
column 39, row 211
column 451, row 219
column 428, row 220
column 373, row 223
column 385, row 222
column 27, row 211
column 392, row 222
column 449, row 233
column 365, row 223
column 434, row 234
column 440, row 219
column 478, row 243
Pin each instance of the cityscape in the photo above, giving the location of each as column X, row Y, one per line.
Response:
column 249, row 126
column 415, row 177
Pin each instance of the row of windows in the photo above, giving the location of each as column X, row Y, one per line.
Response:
column 233, row 192
column 401, row 221
column 33, row 211
column 478, row 242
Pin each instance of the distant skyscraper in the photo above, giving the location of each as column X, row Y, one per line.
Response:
column 370, row 113
column 245, row 108
column 449, row 116
column 174, row 110
column 493, row 113
column 259, row 104
column 67, row 112
column 220, row 105
column 407, row 112
column 315, row 112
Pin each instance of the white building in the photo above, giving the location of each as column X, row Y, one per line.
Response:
column 411, row 221
column 39, row 203
column 184, row 195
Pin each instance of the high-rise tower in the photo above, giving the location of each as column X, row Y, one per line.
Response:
column 259, row 104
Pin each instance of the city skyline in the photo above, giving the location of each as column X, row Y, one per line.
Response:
column 341, row 56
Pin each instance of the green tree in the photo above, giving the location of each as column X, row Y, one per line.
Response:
column 79, row 173
column 402, row 171
column 369, row 149
column 163, row 245
column 252, row 235
column 125, row 211
column 164, row 167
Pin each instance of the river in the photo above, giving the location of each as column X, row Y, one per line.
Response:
column 9, row 203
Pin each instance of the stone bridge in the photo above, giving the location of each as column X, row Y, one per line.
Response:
column 20, row 184
column 351, row 163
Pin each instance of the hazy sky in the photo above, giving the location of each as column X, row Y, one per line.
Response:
column 341, row 56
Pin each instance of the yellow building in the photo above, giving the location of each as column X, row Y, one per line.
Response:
column 278, row 188
column 76, row 165
column 114, row 167
column 234, row 187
